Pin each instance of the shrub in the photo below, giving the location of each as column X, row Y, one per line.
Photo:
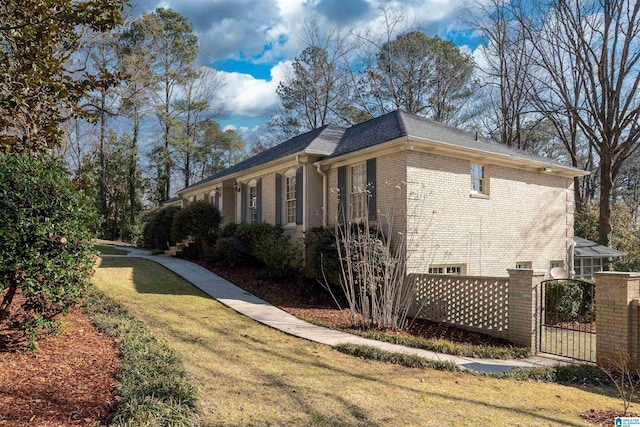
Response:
column 322, row 256
column 200, row 220
column 157, row 229
column 251, row 234
column 264, row 245
column 46, row 253
column 280, row 258
column 228, row 250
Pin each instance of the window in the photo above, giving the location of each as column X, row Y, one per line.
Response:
column 455, row 269
column 556, row 264
column 524, row 264
column 291, row 199
column 253, row 204
column 478, row 179
column 585, row 267
column 358, row 194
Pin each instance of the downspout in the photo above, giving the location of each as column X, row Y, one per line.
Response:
column 305, row 182
column 572, row 253
column 324, row 194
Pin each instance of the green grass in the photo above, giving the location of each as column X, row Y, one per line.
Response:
column 153, row 388
column 567, row 342
column 249, row 374
column 582, row 374
column 408, row 360
column 449, row 347
column 439, row 345
column 110, row 250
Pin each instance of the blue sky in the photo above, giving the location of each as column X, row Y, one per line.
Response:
column 252, row 42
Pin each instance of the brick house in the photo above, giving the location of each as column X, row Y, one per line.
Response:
column 471, row 206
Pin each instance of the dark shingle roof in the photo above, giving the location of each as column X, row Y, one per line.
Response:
column 588, row 249
column 333, row 141
column 372, row 132
column 174, row 199
column 397, row 124
column 320, row 141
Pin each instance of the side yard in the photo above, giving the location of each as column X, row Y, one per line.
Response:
column 249, row 374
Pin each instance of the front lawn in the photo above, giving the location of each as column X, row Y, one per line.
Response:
column 110, row 250
column 250, row 374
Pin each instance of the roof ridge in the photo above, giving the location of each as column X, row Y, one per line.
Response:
column 403, row 125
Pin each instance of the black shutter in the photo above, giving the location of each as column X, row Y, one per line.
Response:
column 371, row 188
column 216, row 198
column 243, row 203
column 299, row 194
column 342, row 193
column 259, row 201
column 278, row 199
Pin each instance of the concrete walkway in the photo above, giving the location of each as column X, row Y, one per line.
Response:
column 248, row 304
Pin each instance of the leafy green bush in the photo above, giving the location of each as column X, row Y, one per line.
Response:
column 157, row 228
column 200, row 220
column 264, row 245
column 228, row 250
column 46, row 253
column 251, row 234
column 322, row 256
column 281, row 259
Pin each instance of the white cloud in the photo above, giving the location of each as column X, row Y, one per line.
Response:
column 247, row 96
column 229, row 127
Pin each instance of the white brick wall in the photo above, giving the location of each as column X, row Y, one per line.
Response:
column 524, row 219
column 527, row 216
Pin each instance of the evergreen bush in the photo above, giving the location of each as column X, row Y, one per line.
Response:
column 46, row 252
column 200, row 220
column 157, row 228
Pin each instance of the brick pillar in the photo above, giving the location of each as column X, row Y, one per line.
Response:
column 617, row 318
column 524, row 312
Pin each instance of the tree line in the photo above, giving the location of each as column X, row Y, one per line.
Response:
column 160, row 82
column 558, row 78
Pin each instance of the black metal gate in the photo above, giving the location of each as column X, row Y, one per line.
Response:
column 568, row 319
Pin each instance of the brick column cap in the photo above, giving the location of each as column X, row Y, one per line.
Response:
column 617, row 274
column 528, row 272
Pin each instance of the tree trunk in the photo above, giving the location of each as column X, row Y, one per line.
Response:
column 577, row 195
column 133, row 161
column 606, row 186
column 6, row 301
column 101, row 185
column 187, row 169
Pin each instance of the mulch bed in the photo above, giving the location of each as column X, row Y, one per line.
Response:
column 311, row 301
column 68, row 381
column 605, row 417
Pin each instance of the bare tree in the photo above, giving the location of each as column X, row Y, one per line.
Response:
column 597, row 50
column 508, row 64
column 200, row 90
column 317, row 91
